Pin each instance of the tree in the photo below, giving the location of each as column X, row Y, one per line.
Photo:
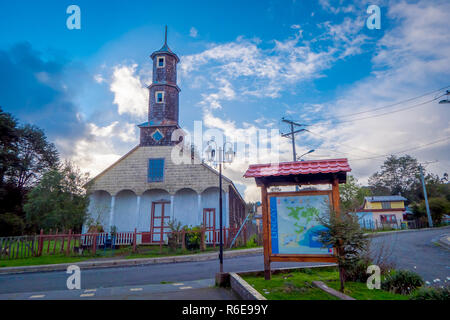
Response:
column 25, row 154
column 8, row 144
column 345, row 235
column 352, row 194
column 59, row 200
column 398, row 175
column 35, row 154
column 438, row 207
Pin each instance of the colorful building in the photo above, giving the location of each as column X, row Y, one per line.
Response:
column 381, row 211
column 147, row 188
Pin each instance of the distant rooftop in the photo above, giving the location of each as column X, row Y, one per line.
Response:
column 384, row 198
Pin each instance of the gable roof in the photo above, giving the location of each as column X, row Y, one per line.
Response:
column 384, row 198
column 298, row 167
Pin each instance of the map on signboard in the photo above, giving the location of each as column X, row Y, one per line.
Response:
column 294, row 225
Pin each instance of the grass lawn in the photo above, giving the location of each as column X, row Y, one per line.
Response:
column 297, row 285
column 118, row 253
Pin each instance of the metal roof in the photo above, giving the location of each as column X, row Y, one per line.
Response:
column 297, row 168
column 384, row 198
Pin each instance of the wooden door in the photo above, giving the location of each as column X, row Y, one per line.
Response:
column 209, row 223
column 159, row 221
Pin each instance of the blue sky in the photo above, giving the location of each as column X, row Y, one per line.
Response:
column 244, row 65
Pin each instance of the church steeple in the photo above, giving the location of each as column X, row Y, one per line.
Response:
column 163, row 102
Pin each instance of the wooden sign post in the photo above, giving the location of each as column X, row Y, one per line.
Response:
column 303, row 205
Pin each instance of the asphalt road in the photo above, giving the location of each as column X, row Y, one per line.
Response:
column 417, row 251
column 412, row 250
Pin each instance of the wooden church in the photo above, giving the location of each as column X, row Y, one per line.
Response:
column 145, row 189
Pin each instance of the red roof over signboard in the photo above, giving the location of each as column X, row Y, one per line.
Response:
column 298, row 167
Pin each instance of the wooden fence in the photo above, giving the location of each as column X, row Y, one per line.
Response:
column 88, row 243
column 375, row 225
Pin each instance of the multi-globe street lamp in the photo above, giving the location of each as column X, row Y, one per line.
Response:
column 218, row 156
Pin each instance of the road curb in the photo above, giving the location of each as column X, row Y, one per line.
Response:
column 444, row 241
column 380, row 234
column 130, row 262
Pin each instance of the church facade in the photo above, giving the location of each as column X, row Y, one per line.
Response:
column 145, row 189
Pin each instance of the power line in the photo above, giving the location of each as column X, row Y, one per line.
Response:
column 406, row 150
column 387, row 106
column 338, row 143
column 383, row 114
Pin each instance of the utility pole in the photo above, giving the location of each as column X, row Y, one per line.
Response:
column 291, row 134
column 430, row 221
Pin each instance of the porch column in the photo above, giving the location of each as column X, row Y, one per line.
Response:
column 200, row 211
column 138, row 206
column 172, row 206
column 111, row 212
column 227, row 213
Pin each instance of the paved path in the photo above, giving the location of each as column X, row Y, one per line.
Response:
column 417, row 251
column 132, row 276
column 192, row 290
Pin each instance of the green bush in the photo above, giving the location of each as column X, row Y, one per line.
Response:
column 193, row 239
column 401, row 282
column 252, row 242
column 357, row 272
column 431, row 293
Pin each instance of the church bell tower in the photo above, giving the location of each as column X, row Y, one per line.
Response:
column 164, row 100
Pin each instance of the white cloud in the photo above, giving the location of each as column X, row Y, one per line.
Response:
column 193, row 32
column 130, row 96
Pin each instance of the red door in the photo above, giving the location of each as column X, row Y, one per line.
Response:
column 209, row 223
column 159, row 218
column 159, row 223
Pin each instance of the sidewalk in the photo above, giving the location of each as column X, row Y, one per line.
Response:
column 130, row 262
column 381, row 233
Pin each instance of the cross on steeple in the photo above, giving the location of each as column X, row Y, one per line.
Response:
column 165, row 37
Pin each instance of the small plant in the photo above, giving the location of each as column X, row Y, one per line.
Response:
column 431, row 293
column 113, row 231
column 193, row 239
column 357, row 272
column 402, row 282
column 252, row 242
column 174, row 236
column 344, row 233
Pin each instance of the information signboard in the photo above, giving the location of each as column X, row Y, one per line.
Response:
column 294, row 226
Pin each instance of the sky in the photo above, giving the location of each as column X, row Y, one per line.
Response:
column 362, row 93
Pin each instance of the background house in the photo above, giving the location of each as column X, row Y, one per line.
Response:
column 379, row 211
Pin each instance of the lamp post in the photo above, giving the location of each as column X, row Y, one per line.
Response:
column 220, row 157
column 310, row 151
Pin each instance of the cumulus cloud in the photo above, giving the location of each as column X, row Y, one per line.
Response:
column 130, row 96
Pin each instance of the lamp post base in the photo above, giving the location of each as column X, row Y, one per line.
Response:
column 222, row 279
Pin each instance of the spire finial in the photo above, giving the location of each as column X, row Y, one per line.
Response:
column 165, row 36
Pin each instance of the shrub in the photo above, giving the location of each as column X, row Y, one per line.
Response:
column 431, row 293
column 252, row 242
column 402, row 282
column 358, row 271
column 193, row 239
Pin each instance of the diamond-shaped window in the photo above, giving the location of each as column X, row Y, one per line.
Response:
column 157, row 135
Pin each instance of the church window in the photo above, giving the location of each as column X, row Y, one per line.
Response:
column 156, row 170
column 161, row 62
column 159, row 96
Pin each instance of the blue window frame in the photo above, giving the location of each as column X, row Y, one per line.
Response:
column 155, row 170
